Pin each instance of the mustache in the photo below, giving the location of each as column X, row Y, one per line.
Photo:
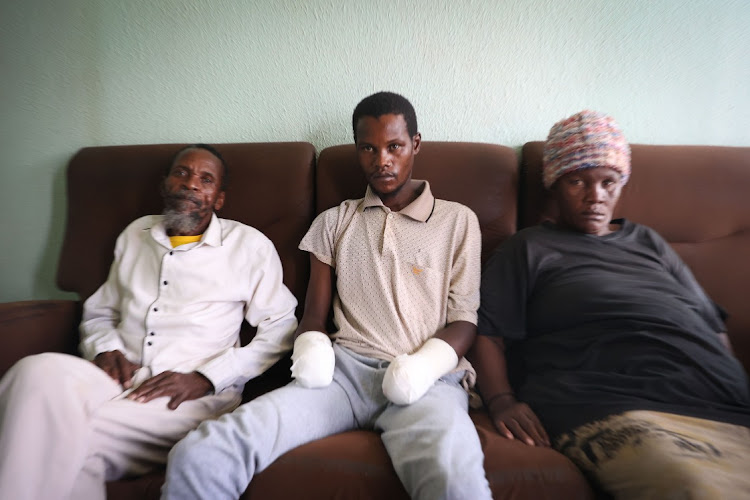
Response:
column 179, row 196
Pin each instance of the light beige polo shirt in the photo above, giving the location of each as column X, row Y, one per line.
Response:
column 400, row 276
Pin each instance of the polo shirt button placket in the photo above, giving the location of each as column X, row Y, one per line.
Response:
column 388, row 231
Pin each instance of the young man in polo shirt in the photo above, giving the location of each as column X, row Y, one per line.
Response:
column 401, row 270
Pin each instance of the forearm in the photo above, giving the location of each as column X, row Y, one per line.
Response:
column 99, row 328
column 487, row 356
column 318, row 298
column 459, row 335
column 101, row 316
column 311, row 325
column 237, row 365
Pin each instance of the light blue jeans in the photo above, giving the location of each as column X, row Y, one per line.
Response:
column 432, row 443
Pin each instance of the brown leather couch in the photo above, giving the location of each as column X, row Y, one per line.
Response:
column 694, row 195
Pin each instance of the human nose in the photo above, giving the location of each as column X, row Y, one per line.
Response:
column 595, row 193
column 191, row 182
column 383, row 158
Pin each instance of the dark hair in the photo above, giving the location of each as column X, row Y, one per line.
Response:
column 213, row 151
column 385, row 103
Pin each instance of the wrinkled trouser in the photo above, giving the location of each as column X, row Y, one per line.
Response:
column 65, row 429
column 432, row 443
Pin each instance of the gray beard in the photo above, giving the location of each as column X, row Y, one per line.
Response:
column 180, row 222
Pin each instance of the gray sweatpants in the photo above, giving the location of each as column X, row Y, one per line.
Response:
column 432, row 443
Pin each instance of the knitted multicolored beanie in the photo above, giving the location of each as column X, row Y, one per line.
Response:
column 585, row 140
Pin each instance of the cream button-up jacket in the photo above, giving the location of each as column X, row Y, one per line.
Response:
column 180, row 309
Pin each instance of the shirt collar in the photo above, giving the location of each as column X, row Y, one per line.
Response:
column 211, row 236
column 420, row 209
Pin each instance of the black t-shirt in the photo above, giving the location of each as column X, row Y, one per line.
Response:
column 599, row 325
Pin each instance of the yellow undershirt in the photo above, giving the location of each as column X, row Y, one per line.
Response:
column 184, row 240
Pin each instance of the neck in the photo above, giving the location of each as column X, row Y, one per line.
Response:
column 401, row 199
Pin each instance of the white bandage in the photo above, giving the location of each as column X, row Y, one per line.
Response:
column 313, row 359
column 409, row 377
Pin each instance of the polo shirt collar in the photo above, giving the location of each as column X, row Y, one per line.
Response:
column 420, row 209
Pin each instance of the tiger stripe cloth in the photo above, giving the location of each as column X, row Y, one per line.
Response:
column 585, row 140
column 652, row 455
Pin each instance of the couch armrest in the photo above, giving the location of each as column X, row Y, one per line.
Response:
column 35, row 326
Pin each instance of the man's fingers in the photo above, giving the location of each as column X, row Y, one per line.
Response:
column 179, row 387
column 176, row 401
column 145, row 395
column 124, row 372
column 147, row 387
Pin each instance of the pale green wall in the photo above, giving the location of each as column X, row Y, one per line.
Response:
column 94, row 72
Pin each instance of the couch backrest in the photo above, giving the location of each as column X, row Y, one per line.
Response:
column 270, row 188
column 698, row 199
column 481, row 176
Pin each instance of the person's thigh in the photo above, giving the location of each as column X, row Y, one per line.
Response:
column 653, row 455
column 434, row 446
column 131, row 438
column 220, row 458
column 47, row 402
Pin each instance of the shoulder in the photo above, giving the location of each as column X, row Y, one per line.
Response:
column 454, row 211
column 142, row 223
column 643, row 234
column 140, row 226
column 540, row 233
column 524, row 241
column 234, row 233
column 334, row 215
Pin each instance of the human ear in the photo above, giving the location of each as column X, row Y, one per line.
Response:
column 219, row 201
column 416, row 142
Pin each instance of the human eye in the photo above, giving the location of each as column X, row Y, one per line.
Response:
column 365, row 147
column 207, row 179
column 395, row 147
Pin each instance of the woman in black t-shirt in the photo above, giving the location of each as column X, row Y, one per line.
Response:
column 615, row 350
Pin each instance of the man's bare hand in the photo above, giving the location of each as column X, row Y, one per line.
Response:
column 516, row 420
column 117, row 366
column 179, row 387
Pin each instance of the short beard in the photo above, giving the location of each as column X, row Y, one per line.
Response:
column 179, row 222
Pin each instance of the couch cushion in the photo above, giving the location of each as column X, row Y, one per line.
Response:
column 270, row 188
column 483, row 177
column 355, row 465
column 696, row 197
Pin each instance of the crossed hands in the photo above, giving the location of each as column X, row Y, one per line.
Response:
column 516, row 420
column 179, row 387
